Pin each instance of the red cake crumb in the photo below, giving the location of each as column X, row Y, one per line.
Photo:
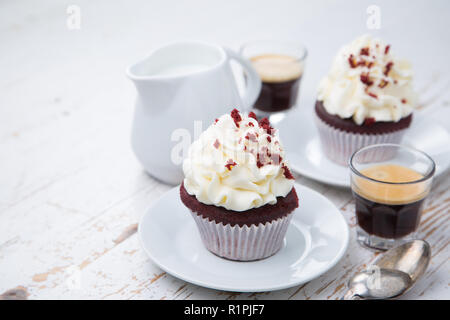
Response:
column 250, row 124
column 370, row 65
column 373, row 95
column 216, row 144
column 265, row 124
column 388, row 68
column 236, row 117
column 252, row 115
column 404, row 100
column 269, row 139
column 386, row 50
column 383, row 84
column 365, row 79
column 287, row 173
column 364, row 51
column 369, row 121
column 259, row 163
column 251, row 137
column 230, row 164
column 352, row 61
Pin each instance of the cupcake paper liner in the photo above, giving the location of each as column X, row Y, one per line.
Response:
column 339, row 145
column 242, row 243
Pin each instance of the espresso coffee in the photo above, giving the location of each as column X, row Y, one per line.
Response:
column 280, row 76
column 389, row 210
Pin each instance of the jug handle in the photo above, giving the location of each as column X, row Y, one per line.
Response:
column 253, row 79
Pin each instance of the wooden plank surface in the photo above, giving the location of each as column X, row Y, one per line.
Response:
column 71, row 190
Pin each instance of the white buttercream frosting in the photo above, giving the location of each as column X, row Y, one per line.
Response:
column 223, row 167
column 367, row 81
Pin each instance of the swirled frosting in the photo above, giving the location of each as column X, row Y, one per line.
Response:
column 237, row 163
column 367, row 82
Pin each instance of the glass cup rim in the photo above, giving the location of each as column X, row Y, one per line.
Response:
column 301, row 57
column 426, row 177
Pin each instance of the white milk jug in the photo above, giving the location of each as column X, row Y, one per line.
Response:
column 179, row 84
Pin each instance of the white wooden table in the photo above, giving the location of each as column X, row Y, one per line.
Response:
column 71, row 190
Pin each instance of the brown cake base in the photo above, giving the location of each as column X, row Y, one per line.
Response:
column 348, row 125
column 263, row 214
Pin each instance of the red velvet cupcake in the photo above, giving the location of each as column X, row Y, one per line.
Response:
column 239, row 188
column 367, row 98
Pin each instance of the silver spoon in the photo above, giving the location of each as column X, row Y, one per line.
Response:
column 377, row 283
column 392, row 274
column 412, row 258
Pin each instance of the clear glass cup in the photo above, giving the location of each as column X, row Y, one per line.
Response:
column 389, row 184
column 280, row 64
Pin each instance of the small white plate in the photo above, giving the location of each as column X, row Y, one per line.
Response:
column 300, row 137
column 315, row 241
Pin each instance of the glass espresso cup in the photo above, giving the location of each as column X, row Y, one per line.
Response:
column 389, row 183
column 280, row 66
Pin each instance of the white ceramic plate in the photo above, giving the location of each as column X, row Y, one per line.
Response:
column 301, row 140
column 315, row 241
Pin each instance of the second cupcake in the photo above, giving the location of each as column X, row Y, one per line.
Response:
column 366, row 98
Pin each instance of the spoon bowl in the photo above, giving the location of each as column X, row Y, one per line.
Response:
column 392, row 274
column 376, row 283
column 411, row 257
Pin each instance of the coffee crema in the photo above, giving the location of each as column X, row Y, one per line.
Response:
column 394, row 193
column 389, row 210
column 277, row 68
column 280, row 76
